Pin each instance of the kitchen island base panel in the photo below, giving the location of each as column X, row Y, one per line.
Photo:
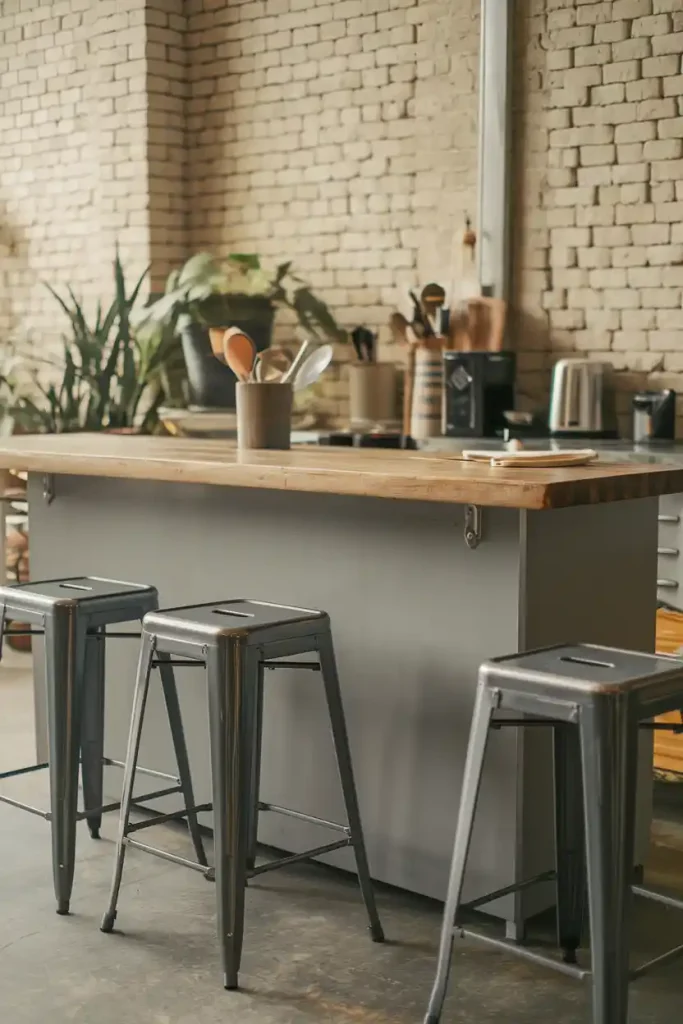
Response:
column 414, row 611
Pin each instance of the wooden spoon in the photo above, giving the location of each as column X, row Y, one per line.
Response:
column 239, row 351
column 216, row 338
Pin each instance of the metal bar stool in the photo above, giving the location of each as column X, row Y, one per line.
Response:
column 236, row 640
column 73, row 615
column 595, row 698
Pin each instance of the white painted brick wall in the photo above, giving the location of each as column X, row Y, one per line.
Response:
column 73, row 162
column 343, row 136
column 614, row 72
column 351, row 149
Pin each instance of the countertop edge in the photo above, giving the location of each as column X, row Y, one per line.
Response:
column 529, row 496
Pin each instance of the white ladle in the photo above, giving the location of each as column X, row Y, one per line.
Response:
column 313, row 367
column 296, row 362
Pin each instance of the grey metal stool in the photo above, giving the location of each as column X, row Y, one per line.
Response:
column 236, row 640
column 73, row 615
column 595, row 698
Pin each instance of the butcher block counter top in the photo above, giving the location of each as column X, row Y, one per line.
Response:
column 403, row 475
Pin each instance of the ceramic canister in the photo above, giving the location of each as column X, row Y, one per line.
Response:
column 264, row 415
column 425, row 420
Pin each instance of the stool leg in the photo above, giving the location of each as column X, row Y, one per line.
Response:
column 609, row 750
column 65, row 662
column 255, row 780
column 471, row 781
column 92, row 731
column 132, row 753
column 328, row 666
column 570, row 849
column 175, row 722
column 230, row 668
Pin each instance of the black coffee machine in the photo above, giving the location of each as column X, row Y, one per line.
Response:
column 479, row 388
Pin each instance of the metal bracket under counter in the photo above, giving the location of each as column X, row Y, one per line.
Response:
column 473, row 526
column 48, row 488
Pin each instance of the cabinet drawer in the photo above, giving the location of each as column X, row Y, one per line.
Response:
column 669, row 544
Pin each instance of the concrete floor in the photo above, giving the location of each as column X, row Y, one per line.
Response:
column 307, row 955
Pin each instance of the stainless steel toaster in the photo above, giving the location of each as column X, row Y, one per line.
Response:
column 581, row 399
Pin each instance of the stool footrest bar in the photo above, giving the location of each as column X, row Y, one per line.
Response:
column 25, row 807
column 172, row 857
column 159, row 819
column 522, row 723
column 525, row 953
column 657, row 961
column 178, row 663
column 281, row 862
column 24, row 771
column 311, row 666
column 300, row 816
column 24, row 632
column 142, row 771
column 657, row 897
column 117, row 804
column 546, row 876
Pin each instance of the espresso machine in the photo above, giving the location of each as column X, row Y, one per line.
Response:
column 479, row 388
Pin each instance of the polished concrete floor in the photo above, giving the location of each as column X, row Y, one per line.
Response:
column 307, row 955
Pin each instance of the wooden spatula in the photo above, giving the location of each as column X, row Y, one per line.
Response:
column 239, row 351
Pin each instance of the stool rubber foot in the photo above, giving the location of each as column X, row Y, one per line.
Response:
column 569, row 956
column 94, row 831
column 108, row 922
column 431, row 1018
column 62, row 907
column 377, row 933
column 230, row 982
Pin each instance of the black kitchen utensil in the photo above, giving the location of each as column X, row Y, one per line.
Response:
column 364, row 341
column 421, row 324
column 432, row 302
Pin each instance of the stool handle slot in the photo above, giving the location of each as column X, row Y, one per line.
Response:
column 588, row 661
column 233, row 614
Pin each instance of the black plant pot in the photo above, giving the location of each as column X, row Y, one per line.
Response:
column 211, row 383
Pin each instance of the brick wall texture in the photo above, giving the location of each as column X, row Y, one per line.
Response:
column 599, row 186
column 73, row 154
column 342, row 135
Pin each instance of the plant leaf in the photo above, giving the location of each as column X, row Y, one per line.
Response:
column 249, row 261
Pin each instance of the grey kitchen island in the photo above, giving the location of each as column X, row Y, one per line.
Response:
column 417, row 601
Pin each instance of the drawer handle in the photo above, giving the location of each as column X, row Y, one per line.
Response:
column 671, row 552
column 667, row 584
column 669, row 519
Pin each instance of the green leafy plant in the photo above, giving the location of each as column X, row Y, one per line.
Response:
column 215, row 293
column 108, row 378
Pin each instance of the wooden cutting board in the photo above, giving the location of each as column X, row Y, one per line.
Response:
column 532, row 459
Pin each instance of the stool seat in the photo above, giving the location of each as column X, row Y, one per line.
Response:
column 104, row 601
column 586, row 668
column 254, row 622
column 76, row 588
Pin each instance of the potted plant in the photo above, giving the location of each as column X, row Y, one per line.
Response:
column 108, row 377
column 207, row 295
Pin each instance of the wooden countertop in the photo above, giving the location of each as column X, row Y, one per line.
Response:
column 417, row 476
